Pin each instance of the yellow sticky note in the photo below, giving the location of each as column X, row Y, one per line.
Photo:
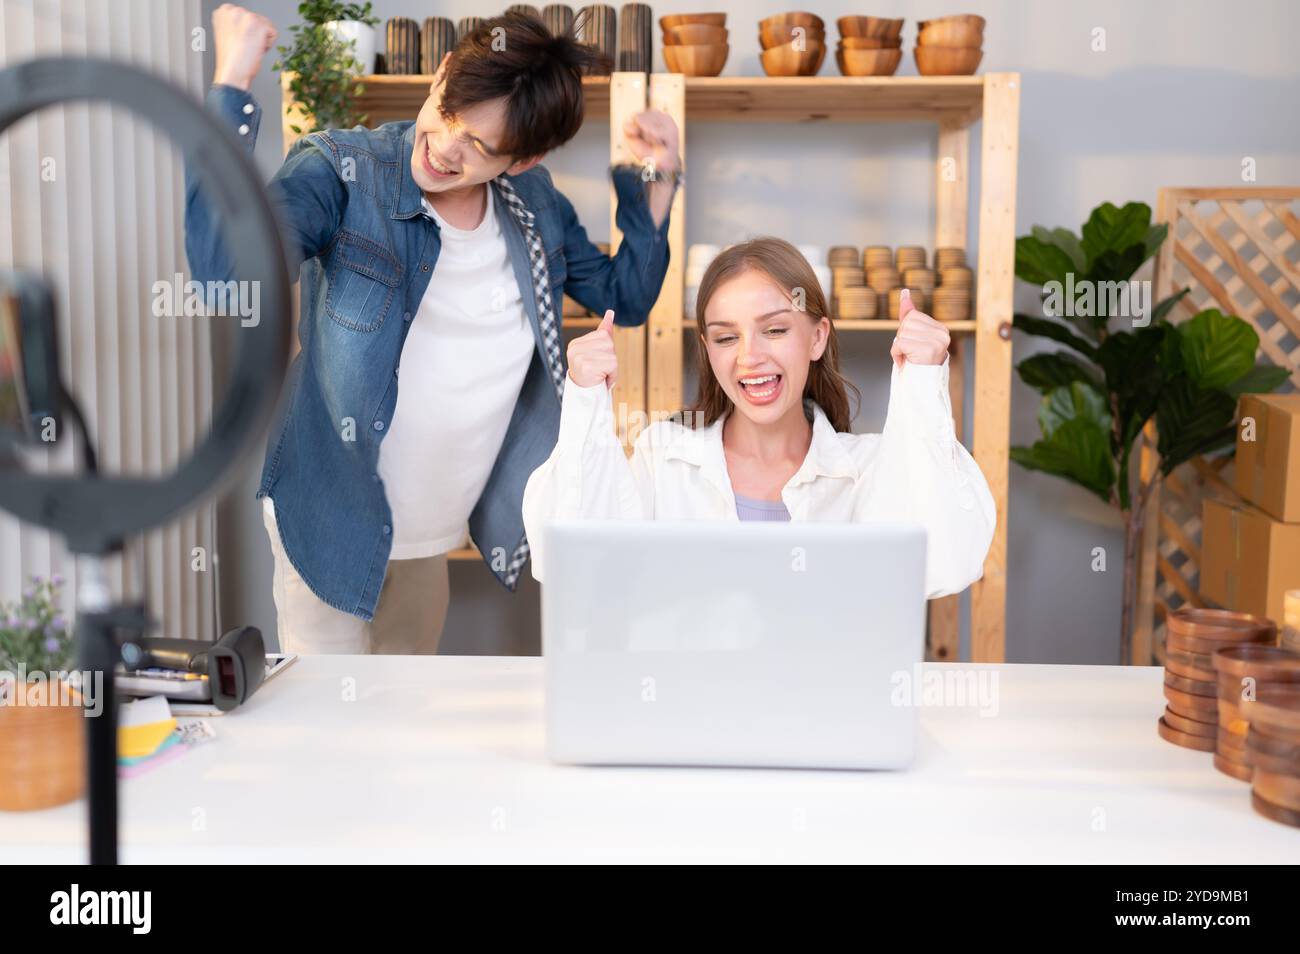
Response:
column 136, row 740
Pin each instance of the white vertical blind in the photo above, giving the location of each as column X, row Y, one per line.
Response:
column 94, row 197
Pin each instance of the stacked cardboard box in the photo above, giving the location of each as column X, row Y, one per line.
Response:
column 1250, row 548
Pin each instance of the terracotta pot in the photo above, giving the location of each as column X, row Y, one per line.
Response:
column 42, row 752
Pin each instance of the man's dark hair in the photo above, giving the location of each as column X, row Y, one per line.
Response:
column 515, row 57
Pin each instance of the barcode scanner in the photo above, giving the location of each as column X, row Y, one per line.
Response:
column 235, row 664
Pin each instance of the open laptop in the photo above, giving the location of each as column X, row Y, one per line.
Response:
column 758, row 644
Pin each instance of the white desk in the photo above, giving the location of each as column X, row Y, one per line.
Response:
column 442, row 759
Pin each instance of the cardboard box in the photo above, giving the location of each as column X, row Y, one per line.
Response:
column 1268, row 468
column 1248, row 559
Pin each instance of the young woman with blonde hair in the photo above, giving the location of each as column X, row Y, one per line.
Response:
column 771, row 439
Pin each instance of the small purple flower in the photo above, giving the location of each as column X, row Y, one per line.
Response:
column 59, row 622
column 51, row 644
column 57, row 579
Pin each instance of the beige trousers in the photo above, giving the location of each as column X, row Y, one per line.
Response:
column 408, row 620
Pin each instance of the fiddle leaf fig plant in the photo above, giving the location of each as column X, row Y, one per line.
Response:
column 1111, row 381
column 323, row 67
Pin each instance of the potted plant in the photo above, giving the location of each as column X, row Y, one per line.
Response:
column 42, row 721
column 332, row 46
column 1100, row 393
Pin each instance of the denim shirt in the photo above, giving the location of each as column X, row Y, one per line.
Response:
column 356, row 235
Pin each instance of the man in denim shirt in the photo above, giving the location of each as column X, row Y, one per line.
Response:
column 441, row 244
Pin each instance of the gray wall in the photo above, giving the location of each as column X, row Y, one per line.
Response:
column 1183, row 91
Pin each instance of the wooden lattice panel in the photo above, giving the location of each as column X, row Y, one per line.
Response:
column 1238, row 250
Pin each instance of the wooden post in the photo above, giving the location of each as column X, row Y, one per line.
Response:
column 996, row 281
column 627, row 97
column 664, row 362
column 952, row 188
column 1142, row 645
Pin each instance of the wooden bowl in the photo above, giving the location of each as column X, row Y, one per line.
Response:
column 695, row 34
column 1275, row 713
column 951, row 31
column 869, row 43
column 868, row 62
column 682, row 19
column 1187, row 740
column 706, row 59
column 775, row 34
column 947, row 60
column 968, row 19
column 1258, row 662
column 1224, row 626
column 797, row 18
column 1202, row 708
column 1208, row 730
column 878, row 28
column 785, row 60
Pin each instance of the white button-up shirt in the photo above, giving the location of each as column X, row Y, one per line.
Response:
column 915, row 471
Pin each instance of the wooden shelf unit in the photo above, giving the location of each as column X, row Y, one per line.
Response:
column 650, row 357
column 958, row 99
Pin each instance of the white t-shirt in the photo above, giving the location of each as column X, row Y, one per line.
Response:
column 462, row 367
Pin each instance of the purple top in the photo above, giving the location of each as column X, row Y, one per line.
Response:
column 748, row 508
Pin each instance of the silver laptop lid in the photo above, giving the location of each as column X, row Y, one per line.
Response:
column 731, row 644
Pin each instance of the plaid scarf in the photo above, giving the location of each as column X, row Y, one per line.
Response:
column 547, row 323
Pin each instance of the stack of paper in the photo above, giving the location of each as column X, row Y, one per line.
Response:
column 147, row 736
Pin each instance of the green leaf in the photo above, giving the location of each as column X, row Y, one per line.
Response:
column 1076, row 400
column 1038, row 262
column 1155, row 238
column 1066, row 241
column 1046, row 328
column 1135, row 374
column 1114, row 265
column 1111, row 229
column 1192, row 420
column 1217, row 349
column 1079, row 451
column 1259, row 380
column 1162, row 308
column 1056, row 369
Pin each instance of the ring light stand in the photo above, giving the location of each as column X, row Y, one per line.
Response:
column 95, row 513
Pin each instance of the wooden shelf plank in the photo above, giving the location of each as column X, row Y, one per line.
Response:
column 955, row 100
column 857, row 324
column 387, row 99
column 834, row 98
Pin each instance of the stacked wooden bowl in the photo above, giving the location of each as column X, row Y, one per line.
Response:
column 869, row 46
column 853, row 299
column 874, row 256
column 896, row 299
column 695, row 44
column 952, row 293
column 1192, row 637
column 922, row 279
column 1273, row 752
column 949, row 46
column 794, row 44
column 842, row 256
column 1247, row 672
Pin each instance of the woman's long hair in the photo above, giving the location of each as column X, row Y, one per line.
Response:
column 781, row 262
